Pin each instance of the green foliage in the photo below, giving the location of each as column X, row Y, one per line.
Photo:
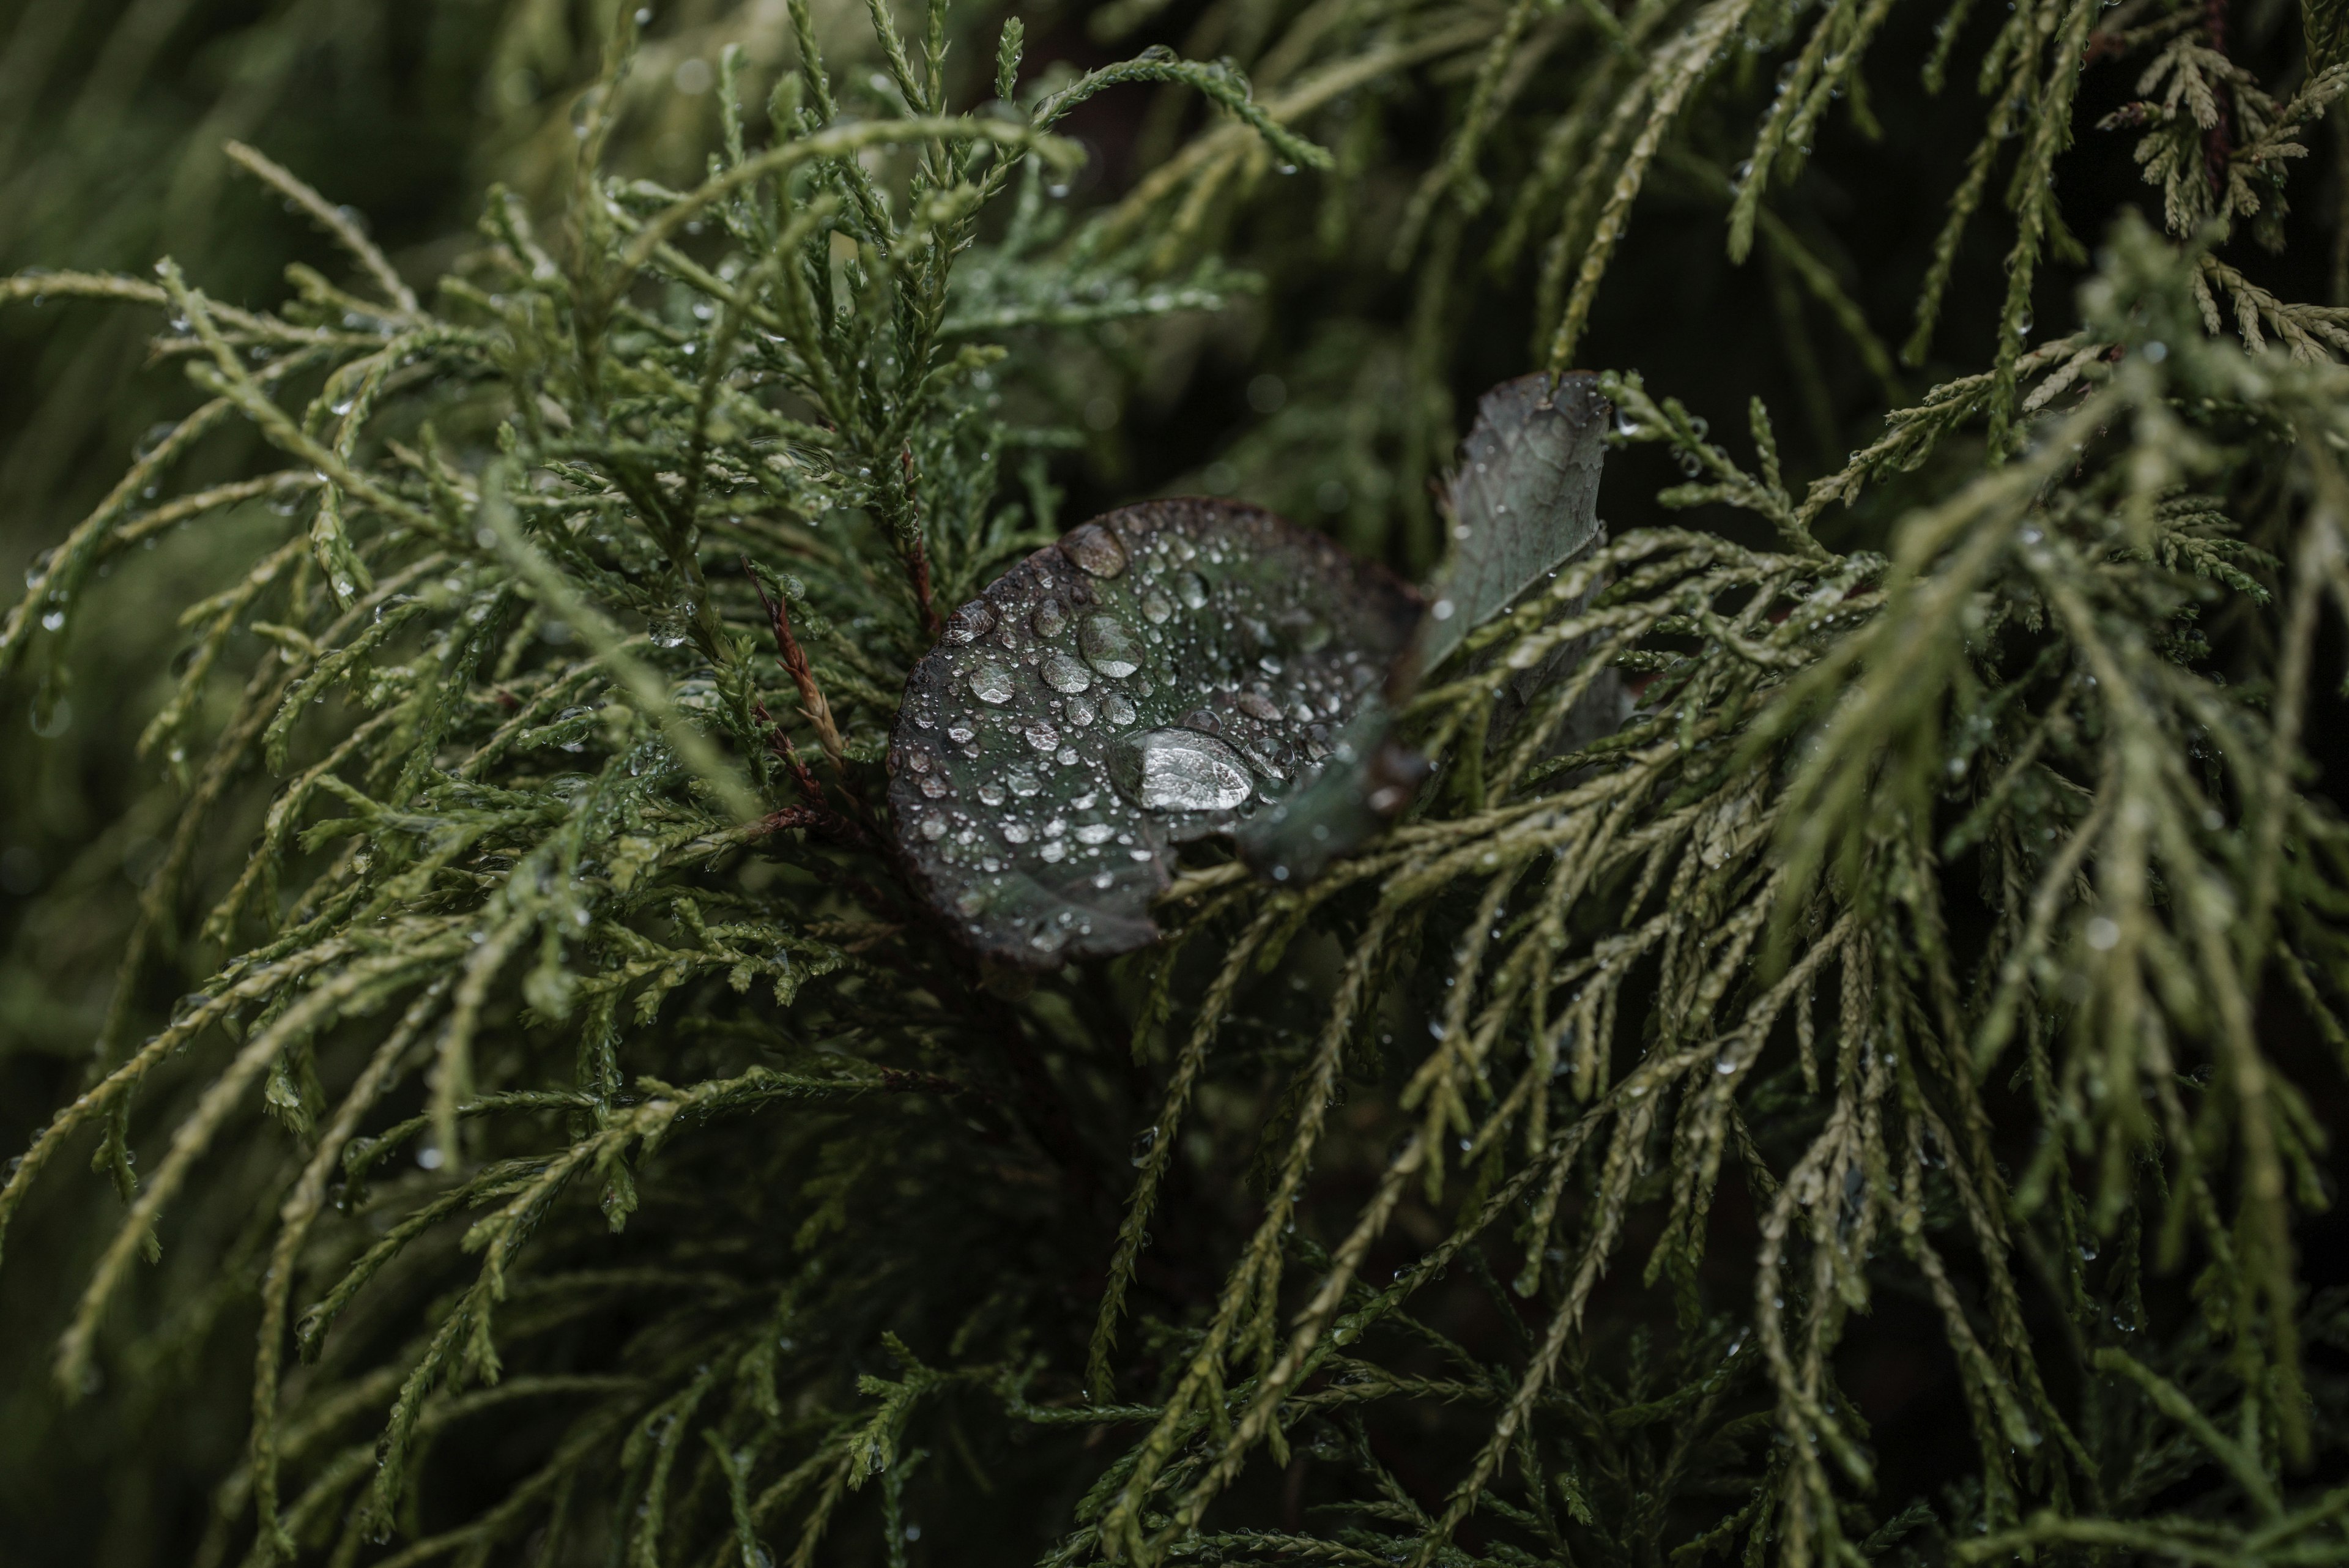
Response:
column 613, row 1158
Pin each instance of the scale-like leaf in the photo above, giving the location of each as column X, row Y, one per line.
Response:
column 1524, row 501
column 1165, row 672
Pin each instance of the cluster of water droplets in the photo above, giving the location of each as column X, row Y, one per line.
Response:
column 1151, row 679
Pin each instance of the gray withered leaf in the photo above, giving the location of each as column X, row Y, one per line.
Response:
column 1524, row 501
column 1167, row 672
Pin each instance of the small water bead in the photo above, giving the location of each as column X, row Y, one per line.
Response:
column 1016, row 832
column 1156, row 607
column 991, row 683
column 969, row 624
column 1066, row 756
column 991, row 793
column 933, row 786
column 961, row 734
column 1118, row 708
column 1095, row 833
column 1179, row 770
column 1050, row 619
column 1041, row 736
column 1257, row 705
column 1095, row 549
column 1023, row 783
column 1110, row 646
column 1082, row 711
column 1192, row 589
column 934, row 827
column 1065, row 674
column 1054, row 852
column 1143, row 1142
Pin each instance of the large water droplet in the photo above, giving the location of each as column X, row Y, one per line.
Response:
column 969, row 624
column 1119, row 709
column 991, row 683
column 1110, row 646
column 1063, row 673
column 1192, row 589
column 1179, row 770
column 1096, row 549
column 1041, row 736
column 1050, row 619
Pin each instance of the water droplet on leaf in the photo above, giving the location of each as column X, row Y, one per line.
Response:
column 1179, row 770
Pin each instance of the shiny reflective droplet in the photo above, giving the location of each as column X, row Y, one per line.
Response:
column 969, row 624
column 1015, row 833
column 1179, row 770
column 1041, row 736
column 1023, row 783
column 934, row 786
column 1118, row 708
column 1064, row 673
column 991, row 683
column 1082, row 711
column 934, row 827
column 991, row 793
column 1095, row 549
column 1110, row 646
column 1257, row 705
column 1143, row 1142
column 1192, row 589
column 1156, row 607
column 1050, row 619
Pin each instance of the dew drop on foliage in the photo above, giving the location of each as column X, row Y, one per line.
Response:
column 1179, row 770
column 1110, row 646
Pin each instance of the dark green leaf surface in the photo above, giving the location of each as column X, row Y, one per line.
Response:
column 1525, row 500
column 1168, row 672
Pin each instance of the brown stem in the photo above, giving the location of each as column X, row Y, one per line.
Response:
column 917, row 558
column 795, row 664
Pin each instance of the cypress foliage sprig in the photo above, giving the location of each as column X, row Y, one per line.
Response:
column 641, row 1134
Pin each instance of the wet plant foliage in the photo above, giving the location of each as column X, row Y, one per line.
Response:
column 1905, row 895
column 1167, row 671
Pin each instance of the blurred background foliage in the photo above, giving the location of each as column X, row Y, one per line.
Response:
column 1334, row 392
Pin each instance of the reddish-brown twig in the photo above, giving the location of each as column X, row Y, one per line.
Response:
column 917, row 558
column 795, row 664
